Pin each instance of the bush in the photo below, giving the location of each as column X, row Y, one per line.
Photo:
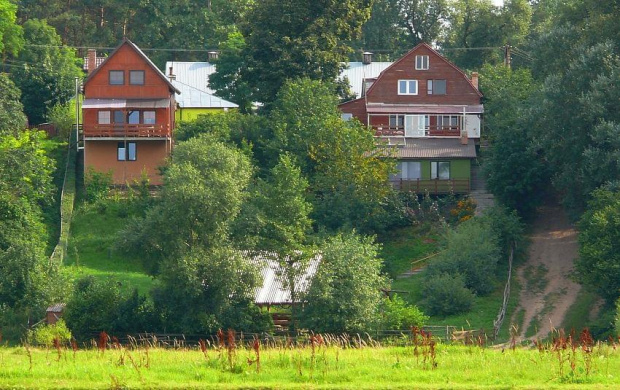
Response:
column 97, row 185
column 46, row 334
column 446, row 294
column 397, row 314
column 62, row 116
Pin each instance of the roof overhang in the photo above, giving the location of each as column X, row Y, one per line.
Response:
column 427, row 148
column 126, row 103
column 375, row 108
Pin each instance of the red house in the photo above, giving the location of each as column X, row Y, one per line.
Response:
column 128, row 116
column 429, row 112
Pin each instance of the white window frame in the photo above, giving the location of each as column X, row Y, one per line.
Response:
column 407, row 168
column 127, row 151
column 421, row 62
column 435, row 172
column 346, row 116
column 410, row 87
column 104, row 118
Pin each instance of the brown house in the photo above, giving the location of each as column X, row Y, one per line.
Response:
column 128, row 116
column 429, row 113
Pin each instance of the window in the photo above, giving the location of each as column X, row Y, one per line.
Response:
column 346, row 116
column 440, row 170
column 421, row 62
column 103, row 117
column 136, row 77
column 436, row 87
column 126, row 151
column 397, row 121
column 149, row 117
column 448, row 122
column 117, row 77
column 408, row 170
column 407, row 87
column 119, row 116
column 133, row 117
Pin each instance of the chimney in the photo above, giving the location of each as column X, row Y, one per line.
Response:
column 171, row 75
column 366, row 58
column 464, row 137
column 474, row 79
column 213, row 56
column 91, row 60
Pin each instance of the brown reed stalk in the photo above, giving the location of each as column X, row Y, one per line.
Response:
column 587, row 347
column 74, row 346
column 57, row 345
column 29, row 354
column 203, row 347
column 102, row 344
column 231, row 347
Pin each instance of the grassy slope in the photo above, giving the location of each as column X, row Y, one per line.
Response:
column 93, row 234
column 457, row 367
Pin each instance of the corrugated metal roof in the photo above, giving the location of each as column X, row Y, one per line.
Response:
column 126, row 103
column 377, row 108
column 356, row 72
column 407, row 148
column 98, row 61
column 192, row 97
column 273, row 290
column 195, row 74
column 57, row 308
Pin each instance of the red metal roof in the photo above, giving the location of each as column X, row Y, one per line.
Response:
column 423, row 109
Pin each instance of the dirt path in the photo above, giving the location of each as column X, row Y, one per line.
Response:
column 546, row 291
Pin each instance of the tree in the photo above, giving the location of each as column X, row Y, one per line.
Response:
column 12, row 116
column 383, row 31
column 598, row 265
column 422, row 19
column 344, row 295
column 46, row 72
column 292, row 39
column 11, row 39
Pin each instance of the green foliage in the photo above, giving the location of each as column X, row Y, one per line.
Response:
column 598, row 265
column 397, row 314
column 97, row 185
column 345, row 293
column 45, row 335
column 62, row 116
column 12, row 118
column 46, row 74
column 11, row 39
column 103, row 305
column 208, row 289
column 617, row 320
column 446, row 294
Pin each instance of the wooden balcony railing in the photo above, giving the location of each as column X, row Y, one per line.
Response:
column 430, row 131
column 127, row 130
column 434, row 186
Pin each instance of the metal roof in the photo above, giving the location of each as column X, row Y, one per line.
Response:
column 273, row 289
column 356, row 72
column 126, row 103
column 56, row 308
column 379, row 108
column 192, row 97
column 195, row 74
column 409, row 148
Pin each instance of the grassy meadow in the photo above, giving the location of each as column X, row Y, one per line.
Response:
column 326, row 366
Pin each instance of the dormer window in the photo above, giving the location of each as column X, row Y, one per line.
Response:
column 117, row 77
column 407, row 87
column 421, row 62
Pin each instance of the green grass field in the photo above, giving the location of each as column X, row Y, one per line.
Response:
column 332, row 367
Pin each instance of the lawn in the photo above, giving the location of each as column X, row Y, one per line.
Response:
column 91, row 248
column 335, row 366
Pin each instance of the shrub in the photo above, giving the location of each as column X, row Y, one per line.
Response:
column 46, row 334
column 63, row 118
column 97, row 185
column 397, row 314
column 446, row 294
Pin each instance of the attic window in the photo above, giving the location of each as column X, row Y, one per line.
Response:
column 117, row 77
column 436, row 87
column 421, row 62
column 136, row 77
column 407, row 87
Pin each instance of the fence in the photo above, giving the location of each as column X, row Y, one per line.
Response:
column 497, row 324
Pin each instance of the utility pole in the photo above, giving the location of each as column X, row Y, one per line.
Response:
column 507, row 55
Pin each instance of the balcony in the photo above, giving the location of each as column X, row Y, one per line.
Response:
column 434, row 187
column 127, row 131
column 428, row 131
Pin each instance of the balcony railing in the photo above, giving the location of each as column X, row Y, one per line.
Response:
column 429, row 131
column 434, row 186
column 127, row 130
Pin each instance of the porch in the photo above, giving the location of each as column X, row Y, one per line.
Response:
column 433, row 186
column 117, row 130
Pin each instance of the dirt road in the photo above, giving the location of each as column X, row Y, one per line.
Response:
column 546, row 290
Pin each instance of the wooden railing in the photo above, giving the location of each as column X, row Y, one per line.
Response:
column 433, row 131
column 127, row 130
column 434, row 186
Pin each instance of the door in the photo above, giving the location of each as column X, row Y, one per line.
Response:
column 414, row 126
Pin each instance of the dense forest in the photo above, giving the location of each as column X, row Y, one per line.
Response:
column 279, row 178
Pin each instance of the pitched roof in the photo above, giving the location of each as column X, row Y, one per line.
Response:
column 357, row 72
column 141, row 54
column 409, row 148
column 434, row 52
column 195, row 74
column 192, row 97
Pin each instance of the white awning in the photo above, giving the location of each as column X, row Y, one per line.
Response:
column 126, row 103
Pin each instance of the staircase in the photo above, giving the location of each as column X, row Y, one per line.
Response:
column 479, row 193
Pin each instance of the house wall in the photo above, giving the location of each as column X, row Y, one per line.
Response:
column 126, row 59
column 91, row 114
column 102, row 156
column 191, row 114
column 458, row 88
column 356, row 107
column 459, row 168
